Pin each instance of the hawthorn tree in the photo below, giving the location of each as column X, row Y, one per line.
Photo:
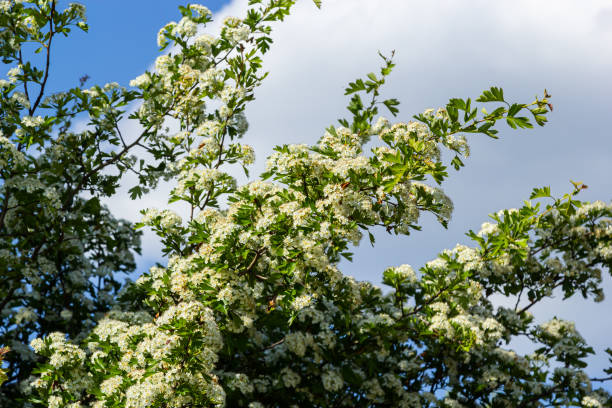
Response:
column 251, row 309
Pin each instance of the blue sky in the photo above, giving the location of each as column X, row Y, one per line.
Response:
column 121, row 43
column 444, row 49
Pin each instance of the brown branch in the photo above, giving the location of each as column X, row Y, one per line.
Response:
column 271, row 346
column 252, row 263
column 430, row 300
column 47, row 62
column 533, row 302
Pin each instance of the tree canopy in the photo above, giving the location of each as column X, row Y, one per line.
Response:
column 251, row 309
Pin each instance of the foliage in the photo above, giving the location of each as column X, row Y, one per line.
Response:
column 251, row 309
column 60, row 248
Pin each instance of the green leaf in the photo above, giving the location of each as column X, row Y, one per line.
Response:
column 540, row 193
column 135, row 192
column 457, row 163
column 393, row 158
column 391, row 106
column 540, row 120
column 492, row 95
column 457, row 103
column 519, row 122
column 317, row 3
column 387, row 70
column 514, row 109
column 347, row 255
column 332, row 131
column 453, row 112
column 356, row 86
column 92, row 205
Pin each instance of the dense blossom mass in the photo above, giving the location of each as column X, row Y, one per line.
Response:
column 251, row 309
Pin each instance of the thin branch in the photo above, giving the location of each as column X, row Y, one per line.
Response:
column 110, row 161
column 119, row 133
column 533, row 302
column 603, row 379
column 271, row 346
column 47, row 62
column 430, row 300
column 25, row 83
column 253, row 261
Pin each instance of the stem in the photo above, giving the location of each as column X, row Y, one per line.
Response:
column 47, row 62
column 253, row 261
column 25, row 83
column 430, row 300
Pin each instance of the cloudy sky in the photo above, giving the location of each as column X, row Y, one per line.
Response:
column 444, row 49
